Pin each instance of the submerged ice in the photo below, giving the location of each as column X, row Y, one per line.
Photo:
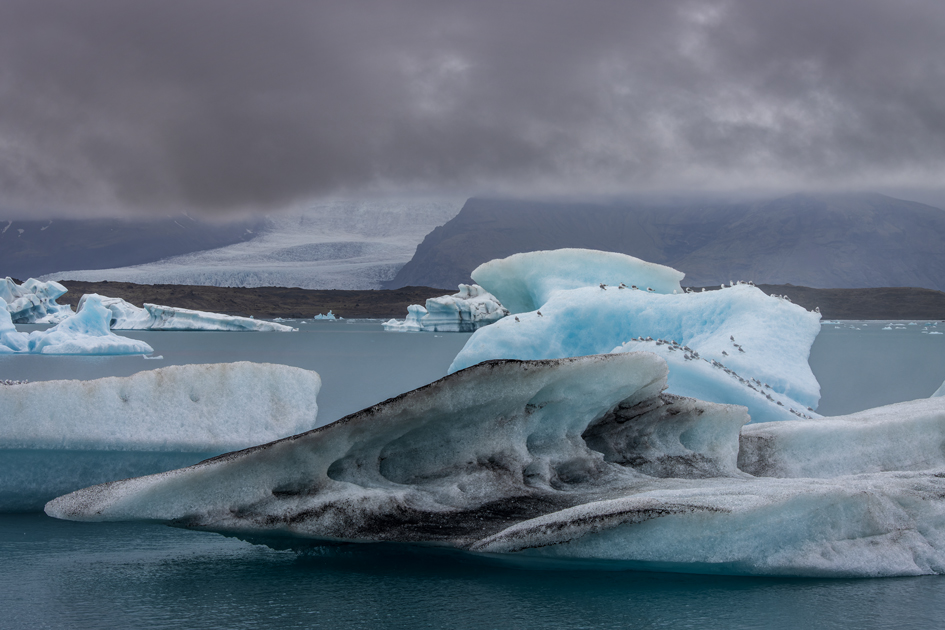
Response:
column 465, row 311
column 61, row 435
column 584, row 458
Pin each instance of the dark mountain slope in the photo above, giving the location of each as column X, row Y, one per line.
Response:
column 33, row 248
column 828, row 241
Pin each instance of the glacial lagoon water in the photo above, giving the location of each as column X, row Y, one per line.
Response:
column 56, row 574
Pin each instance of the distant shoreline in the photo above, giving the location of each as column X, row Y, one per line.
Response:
column 270, row 302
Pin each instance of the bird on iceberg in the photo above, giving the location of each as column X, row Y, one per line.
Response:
column 622, row 286
column 651, row 290
column 517, row 319
column 539, row 314
column 603, row 286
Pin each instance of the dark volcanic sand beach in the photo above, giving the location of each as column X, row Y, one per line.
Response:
column 269, row 302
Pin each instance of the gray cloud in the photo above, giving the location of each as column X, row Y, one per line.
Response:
column 221, row 105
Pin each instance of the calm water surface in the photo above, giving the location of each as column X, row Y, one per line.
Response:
column 56, row 574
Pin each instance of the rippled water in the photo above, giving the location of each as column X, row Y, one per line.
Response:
column 56, row 574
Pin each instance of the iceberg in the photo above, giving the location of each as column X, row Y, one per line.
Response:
column 34, row 302
column 127, row 316
column 58, row 436
column 81, row 333
column 468, row 310
column 734, row 346
column 523, row 282
column 583, row 458
column 940, row 391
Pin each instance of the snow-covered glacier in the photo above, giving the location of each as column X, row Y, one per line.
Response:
column 583, row 458
column 58, row 436
column 127, row 316
column 80, row 333
column 735, row 345
column 467, row 310
column 333, row 244
column 34, row 302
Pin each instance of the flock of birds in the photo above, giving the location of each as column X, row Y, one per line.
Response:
column 690, row 354
column 7, row 381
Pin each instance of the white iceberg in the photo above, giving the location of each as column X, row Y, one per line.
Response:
column 578, row 458
column 127, row 316
column 465, row 311
column 58, row 436
column 34, row 302
column 81, row 333
column 733, row 346
column 523, row 282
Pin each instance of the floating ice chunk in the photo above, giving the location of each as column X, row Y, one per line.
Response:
column 329, row 315
column 127, row 316
column 468, row 310
column 523, row 282
column 939, row 392
column 504, row 432
column 905, row 436
column 573, row 458
column 10, row 339
column 772, row 338
column 61, row 435
column 81, row 333
column 34, row 302
column 85, row 332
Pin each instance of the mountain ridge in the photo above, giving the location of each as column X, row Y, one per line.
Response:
column 840, row 240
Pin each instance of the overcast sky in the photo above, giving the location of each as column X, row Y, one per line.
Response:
column 227, row 105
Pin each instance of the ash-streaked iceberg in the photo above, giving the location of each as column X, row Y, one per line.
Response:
column 127, row 316
column 465, row 311
column 523, row 282
column 734, row 346
column 580, row 458
column 34, row 302
column 58, row 436
column 81, row 333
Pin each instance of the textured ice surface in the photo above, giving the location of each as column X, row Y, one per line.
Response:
column 907, row 436
column 767, row 357
column 523, row 282
column 34, row 302
column 127, row 316
column 573, row 458
column 465, row 311
column 81, row 333
column 332, row 245
column 57, row 436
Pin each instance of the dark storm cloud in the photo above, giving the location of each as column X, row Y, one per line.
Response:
column 225, row 104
